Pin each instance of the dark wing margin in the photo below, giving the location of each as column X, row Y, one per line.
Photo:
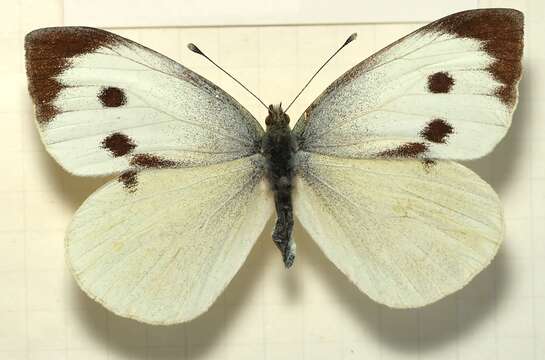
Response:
column 47, row 54
column 501, row 31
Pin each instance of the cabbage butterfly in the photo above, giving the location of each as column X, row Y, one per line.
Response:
column 367, row 168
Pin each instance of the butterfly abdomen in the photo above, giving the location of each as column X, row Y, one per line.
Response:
column 278, row 148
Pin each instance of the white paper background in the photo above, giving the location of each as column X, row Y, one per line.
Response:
column 157, row 13
column 311, row 312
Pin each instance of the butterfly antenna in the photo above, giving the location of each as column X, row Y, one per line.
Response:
column 348, row 41
column 196, row 50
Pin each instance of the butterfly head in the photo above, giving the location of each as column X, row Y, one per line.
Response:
column 277, row 116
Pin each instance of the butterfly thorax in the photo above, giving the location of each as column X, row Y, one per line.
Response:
column 278, row 147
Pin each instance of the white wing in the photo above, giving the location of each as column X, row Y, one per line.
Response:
column 446, row 91
column 164, row 253
column 404, row 232
column 105, row 103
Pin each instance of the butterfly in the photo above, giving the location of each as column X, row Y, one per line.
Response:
column 367, row 168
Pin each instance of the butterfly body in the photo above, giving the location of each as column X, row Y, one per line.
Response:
column 278, row 148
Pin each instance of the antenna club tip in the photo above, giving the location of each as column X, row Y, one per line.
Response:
column 194, row 48
column 351, row 38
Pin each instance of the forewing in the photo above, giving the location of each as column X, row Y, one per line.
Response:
column 163, row 253
column 406, row 233
column 105, row 103
column 446, row 91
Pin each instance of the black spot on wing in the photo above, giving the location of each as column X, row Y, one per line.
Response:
column 118, row 144
column 153, row 161
column 409, row 150
column 440, row 82
column 129, row 179
column 437, row 131
column 428, row 164
column 112, row 97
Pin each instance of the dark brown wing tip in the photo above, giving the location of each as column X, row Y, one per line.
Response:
column 67, row 41
column 47, row 54
column 514, row 14
column 517, row 15
column 500, row 11
column 501, row 31
column 482, row 23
